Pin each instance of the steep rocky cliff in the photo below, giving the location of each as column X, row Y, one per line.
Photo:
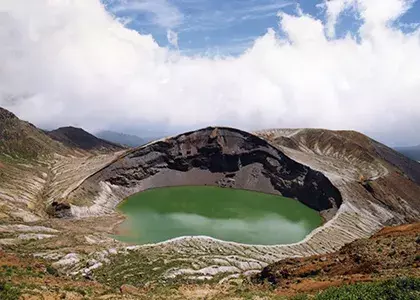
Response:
column 213, row 156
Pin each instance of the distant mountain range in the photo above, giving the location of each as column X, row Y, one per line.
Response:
column 411, row 152
column 73, row 137
column 124, row 139
column 21, row 139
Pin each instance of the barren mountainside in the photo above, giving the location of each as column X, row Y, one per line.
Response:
column 354, row 160
column 213, row 156
column 391, row 252
column 60, row 205
column 78, row 138
column 22, row 139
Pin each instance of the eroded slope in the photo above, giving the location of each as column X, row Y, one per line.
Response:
column 377, row 187
column 211, row 156
column 374, row 192
column 352, row 161
column 392, row 252
column 36, row 170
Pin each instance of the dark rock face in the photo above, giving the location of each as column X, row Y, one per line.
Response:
column 59, row 210
column 231, row 153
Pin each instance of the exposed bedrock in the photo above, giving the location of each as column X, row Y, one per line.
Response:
column 211, row 156
column 373, row 192
column 390, row 179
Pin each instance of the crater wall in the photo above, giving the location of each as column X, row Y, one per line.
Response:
column 212, row 156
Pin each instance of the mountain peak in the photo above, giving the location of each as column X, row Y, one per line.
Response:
column 75, row 137
column 22, row 139
column 5, row 114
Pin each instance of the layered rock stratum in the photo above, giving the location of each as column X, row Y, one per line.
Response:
column 210, row 156
column 60, row 206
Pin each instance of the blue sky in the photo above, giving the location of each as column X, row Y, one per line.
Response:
column 202, row 26
column 125, row 82
column 206, row 26
column 225, row 27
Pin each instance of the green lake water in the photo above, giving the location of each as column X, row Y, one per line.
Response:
column 158, row 215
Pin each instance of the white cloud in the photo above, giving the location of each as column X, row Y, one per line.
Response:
column 172, row 37
column 334, row 9
column 70, row 62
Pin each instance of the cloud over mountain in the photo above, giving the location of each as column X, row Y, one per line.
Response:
column 71, row 62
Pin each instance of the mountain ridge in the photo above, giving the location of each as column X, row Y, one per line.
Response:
column 412, row 152
column 22, row 139
column 122, row 138
column 74, row 137
column 360, row 186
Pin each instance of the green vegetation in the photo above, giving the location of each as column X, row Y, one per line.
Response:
column 403, row 288
column 233, row 215
column 137, row 268
column 52, row 271
column 10, row 271
column 9, row 291
column 394, row 289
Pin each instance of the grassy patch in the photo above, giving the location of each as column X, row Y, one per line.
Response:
column 300, row 297
column 395, row 289
column 137, row 268
column 52, row 271
column 11, row 271
column 9, row 291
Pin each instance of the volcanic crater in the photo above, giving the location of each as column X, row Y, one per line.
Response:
column 222, row 157
column 59, row 203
